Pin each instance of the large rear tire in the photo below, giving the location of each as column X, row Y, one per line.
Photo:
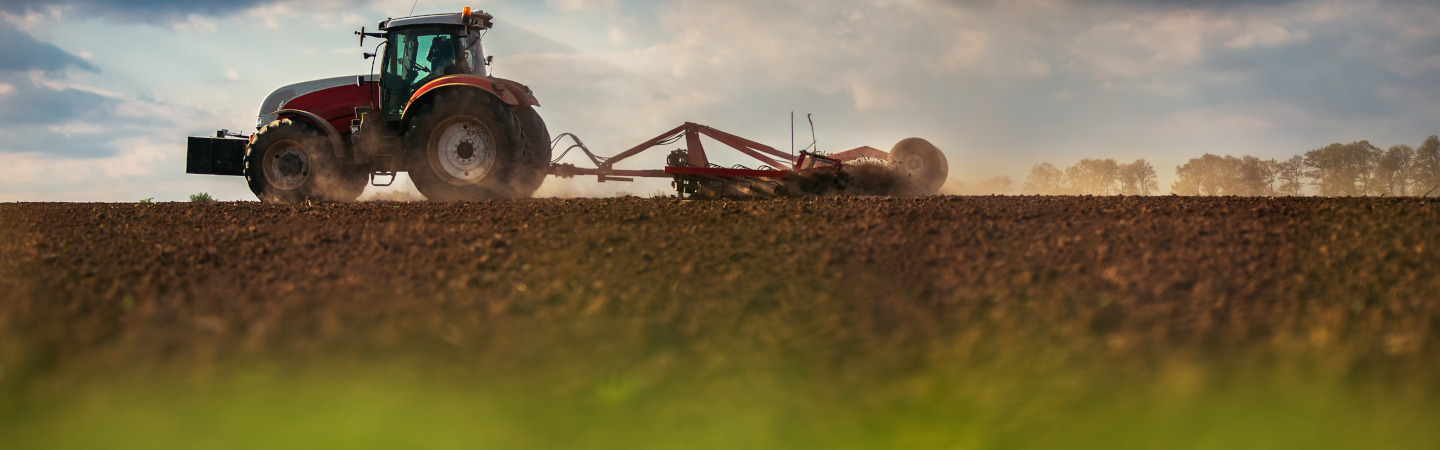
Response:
column 921, row 163
column 462, row 146
column 291, row 162
column 537, row 153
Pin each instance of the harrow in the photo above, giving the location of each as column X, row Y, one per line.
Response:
column 916, row 164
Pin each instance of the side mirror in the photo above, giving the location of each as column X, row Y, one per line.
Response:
column 363, row 35
column 489, row 60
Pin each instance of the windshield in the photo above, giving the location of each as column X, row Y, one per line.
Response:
column 420, row 54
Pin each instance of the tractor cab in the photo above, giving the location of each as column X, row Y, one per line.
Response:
column 422, row 48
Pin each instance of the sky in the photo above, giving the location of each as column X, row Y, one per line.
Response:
column 97, row 97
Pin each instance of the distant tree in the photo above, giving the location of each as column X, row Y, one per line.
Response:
column 1393, row 172
column 1094, row 176
column 1138, row 178
column 1426, row 166
column 1249, row 176
column 1322, row 167
column 1363, row 158
column 995, row 185
column 1342, row 169
column 1290, row 176
column 1207, row 175
column 1045, row 179
column 1272, row 183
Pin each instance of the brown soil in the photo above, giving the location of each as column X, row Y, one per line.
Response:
column 1347, row 285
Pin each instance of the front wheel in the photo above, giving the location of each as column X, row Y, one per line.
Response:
column 459, row 148
column 291, row 162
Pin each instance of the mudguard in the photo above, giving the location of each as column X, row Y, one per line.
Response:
column 336, row 144
column 512, row 94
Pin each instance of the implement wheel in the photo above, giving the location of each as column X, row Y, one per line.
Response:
column 462, row 146
column 291, row 162
column 921, row 163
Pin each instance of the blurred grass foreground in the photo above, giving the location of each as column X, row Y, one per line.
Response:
column 726, row 400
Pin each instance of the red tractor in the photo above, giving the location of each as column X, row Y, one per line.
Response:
column 433, row 111
column 461, row 134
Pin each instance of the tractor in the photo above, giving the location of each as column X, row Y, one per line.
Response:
column 434, row 112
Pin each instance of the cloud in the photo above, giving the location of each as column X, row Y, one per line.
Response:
column 1148, row 44
column 30, row 104
column 150, row 11
column 966, row 48
column 1266, row 34
column 22, row 52
column 194, row 23
column 583, row 5
column 54, row 117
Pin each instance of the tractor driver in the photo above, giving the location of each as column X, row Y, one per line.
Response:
column 442, row 56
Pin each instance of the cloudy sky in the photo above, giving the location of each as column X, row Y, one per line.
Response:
column 97, row 97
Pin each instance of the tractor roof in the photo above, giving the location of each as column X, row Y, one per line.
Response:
column 478, row 19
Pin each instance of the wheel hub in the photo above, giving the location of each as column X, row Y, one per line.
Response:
column 288, row 167
column 465, row 151
column 912, row 165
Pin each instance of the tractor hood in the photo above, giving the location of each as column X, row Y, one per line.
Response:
column 277, row 99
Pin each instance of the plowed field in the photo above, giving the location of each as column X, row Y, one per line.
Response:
column 939, row 322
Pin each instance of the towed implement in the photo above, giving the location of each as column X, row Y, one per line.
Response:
column 434, row 112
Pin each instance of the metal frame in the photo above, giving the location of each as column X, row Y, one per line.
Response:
column 699, row 161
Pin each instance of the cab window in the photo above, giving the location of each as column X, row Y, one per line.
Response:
column 414, row 57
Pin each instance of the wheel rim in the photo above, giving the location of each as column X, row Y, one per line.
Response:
column 463, row 151
column 912, row 165
column 287, row 165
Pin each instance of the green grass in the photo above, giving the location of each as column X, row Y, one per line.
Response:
column 665, row 402
column 201, row 198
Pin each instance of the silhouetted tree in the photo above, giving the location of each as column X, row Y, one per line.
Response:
column 1342, row 169
column 1207, row 175
column 1094, row 176
column 1365, row 157
column 1138, row 178
column 1250, row 176
column 1045, row 179
column 1426, row 174
column 1393, row 172
column 1290, row 176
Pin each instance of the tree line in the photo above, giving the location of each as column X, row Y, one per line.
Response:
column 1094, row 176
column 1354, row 169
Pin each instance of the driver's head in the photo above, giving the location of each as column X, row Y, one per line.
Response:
column 442, row 51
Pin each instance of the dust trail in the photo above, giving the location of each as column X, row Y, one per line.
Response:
column 868, row 178
column 402, row 190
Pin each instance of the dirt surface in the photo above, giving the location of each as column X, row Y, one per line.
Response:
column 870, row 292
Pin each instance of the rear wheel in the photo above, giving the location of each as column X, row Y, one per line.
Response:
column 536, row 155
column 921, row 163
column 459, row 147
column 291, row 162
